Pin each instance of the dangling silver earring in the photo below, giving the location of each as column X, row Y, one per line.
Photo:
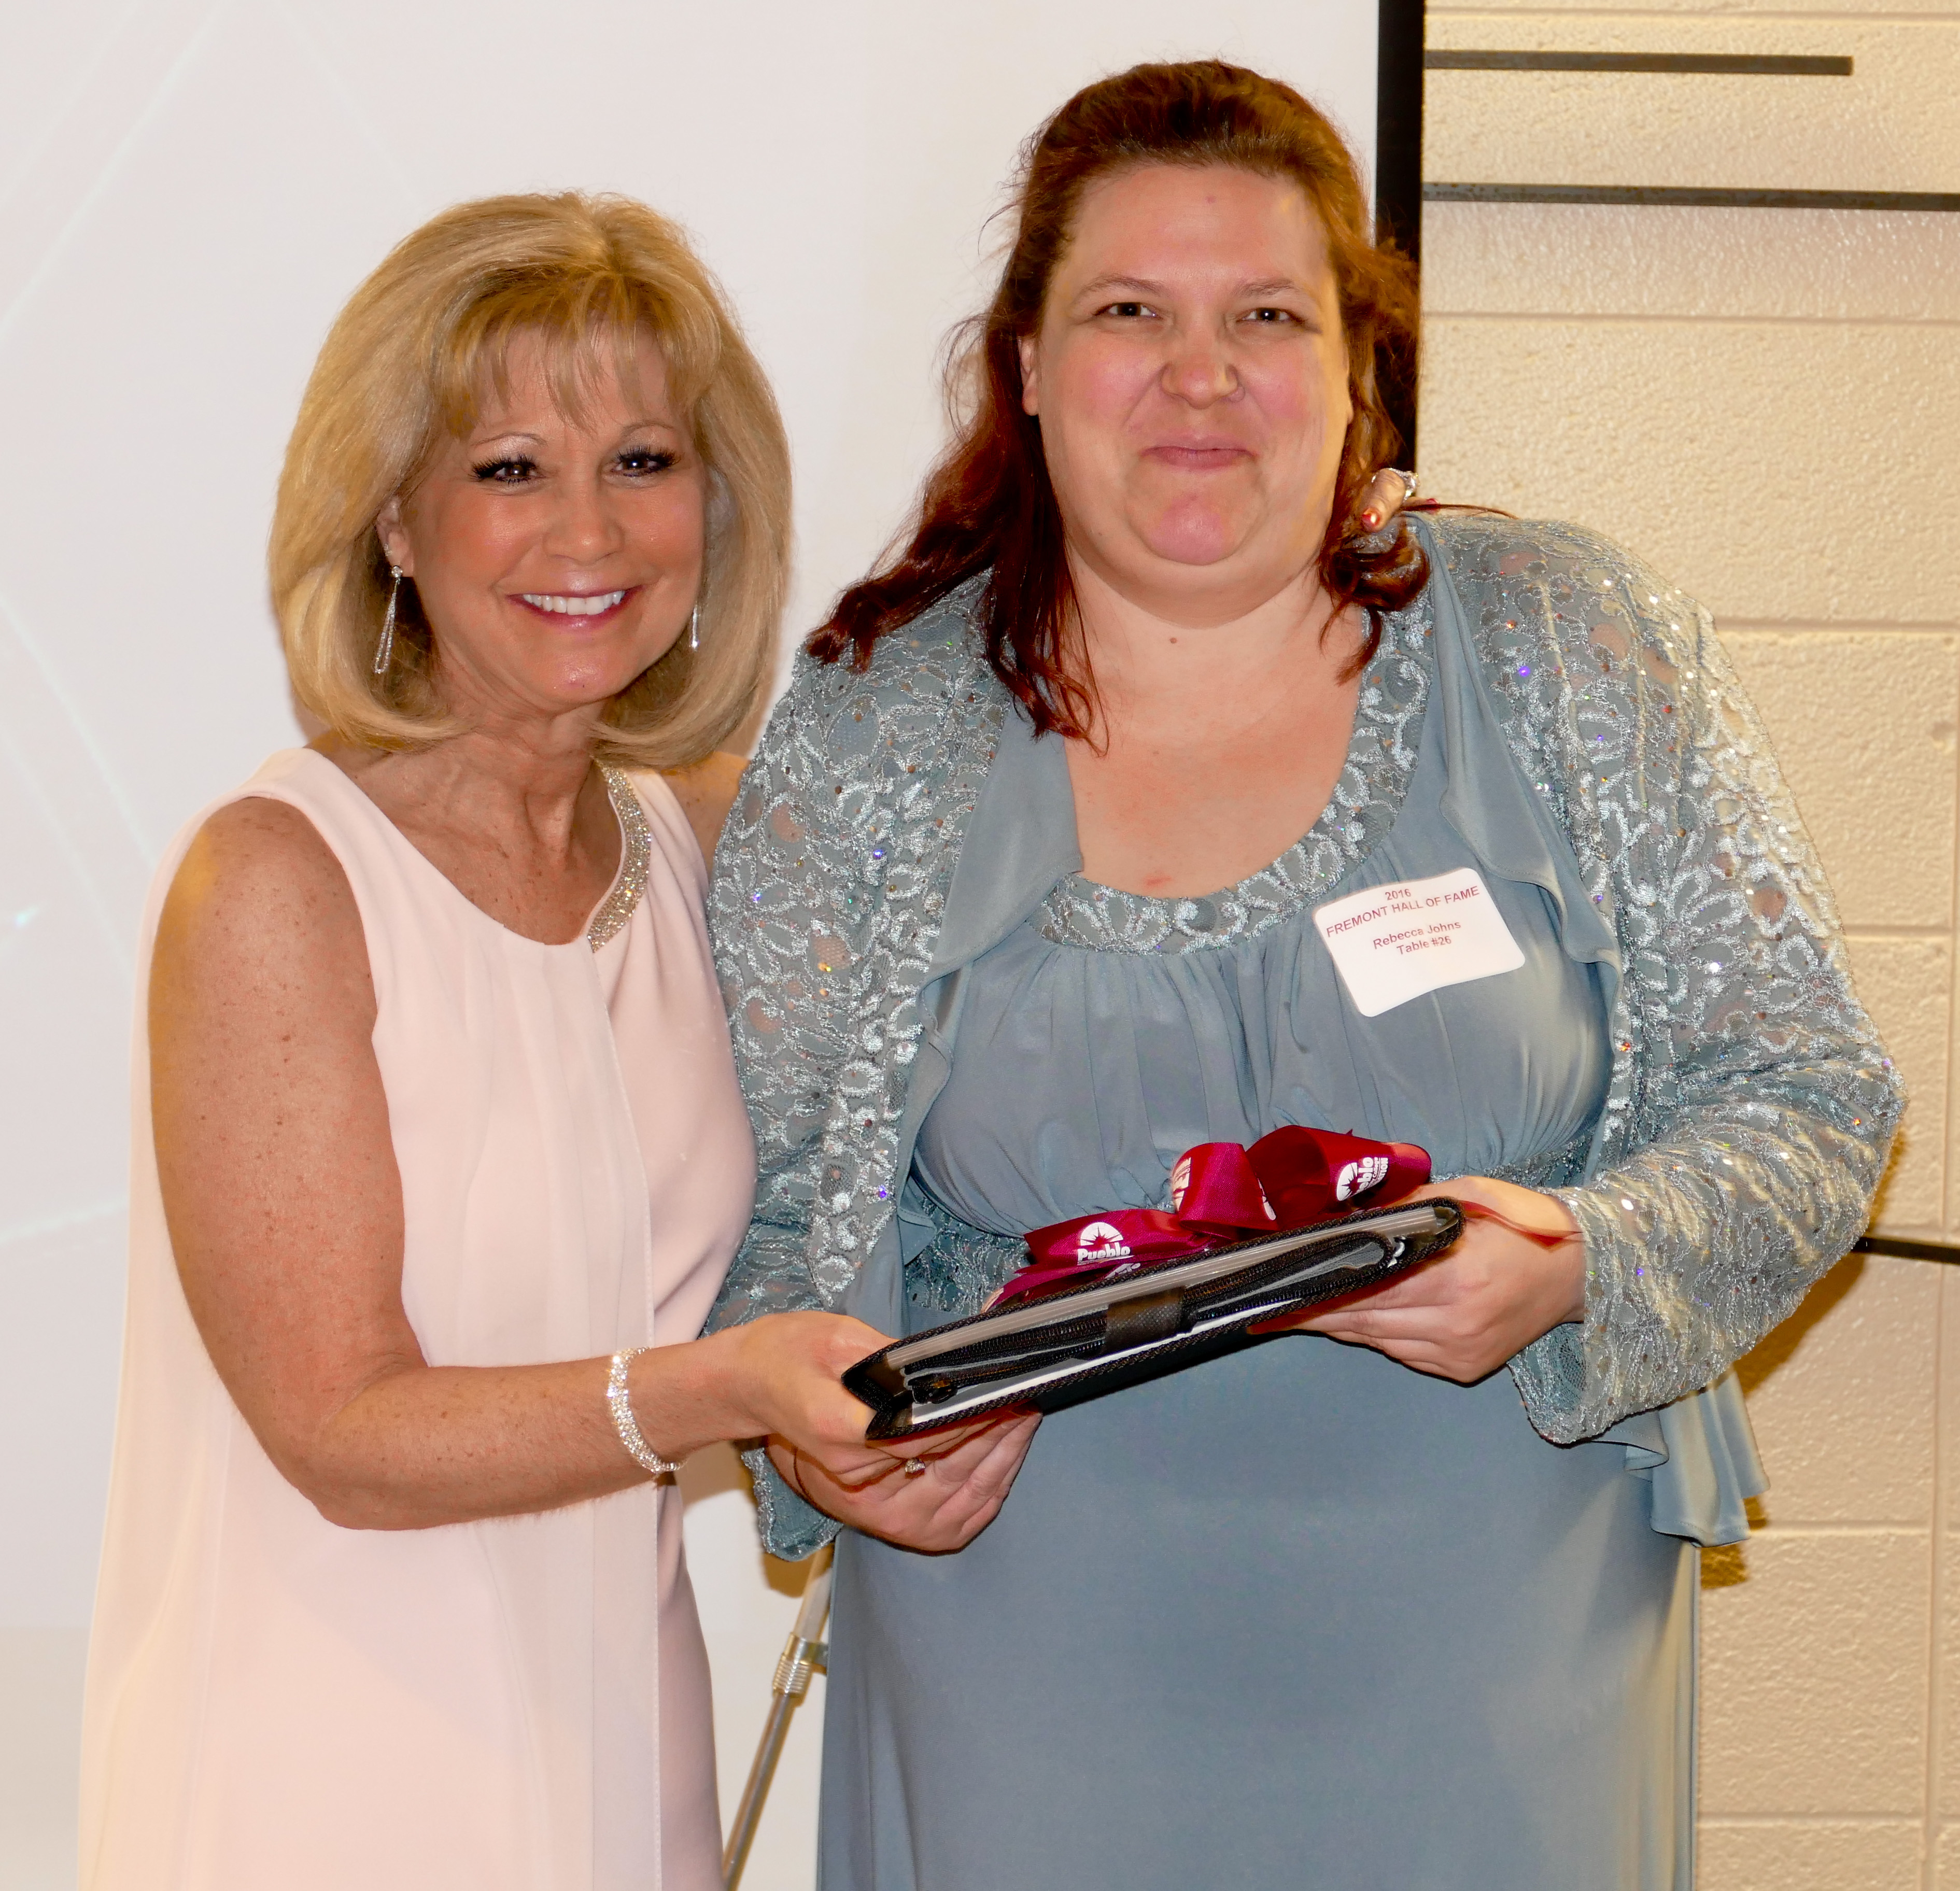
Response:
column 386, row 654
column 694, row 629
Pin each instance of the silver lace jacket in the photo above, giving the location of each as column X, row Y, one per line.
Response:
column 1750, row 1106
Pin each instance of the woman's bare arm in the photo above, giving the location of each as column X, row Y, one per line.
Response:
column 285, row 1208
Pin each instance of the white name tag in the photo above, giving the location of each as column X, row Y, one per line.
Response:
column 1392, row 943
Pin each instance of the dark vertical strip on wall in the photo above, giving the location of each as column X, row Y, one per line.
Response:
column 1398, row 175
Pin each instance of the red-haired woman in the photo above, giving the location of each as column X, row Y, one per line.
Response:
column 1018, row 903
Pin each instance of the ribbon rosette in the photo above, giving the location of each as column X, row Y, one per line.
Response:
column 1222, row 1192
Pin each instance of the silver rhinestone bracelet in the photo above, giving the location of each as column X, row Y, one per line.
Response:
column 627, row 1427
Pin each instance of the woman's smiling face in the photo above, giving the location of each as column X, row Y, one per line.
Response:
column 1190, row 374
column 556, row 555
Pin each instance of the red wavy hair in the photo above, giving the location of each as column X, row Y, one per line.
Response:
column 987, row 505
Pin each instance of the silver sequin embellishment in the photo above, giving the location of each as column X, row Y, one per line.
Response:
column 636, row 842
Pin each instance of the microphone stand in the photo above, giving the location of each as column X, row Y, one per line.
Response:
column 803, row 1651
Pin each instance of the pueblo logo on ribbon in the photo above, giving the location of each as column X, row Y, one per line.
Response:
column 1221, row 1192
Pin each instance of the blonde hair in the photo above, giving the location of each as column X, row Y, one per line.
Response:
column 404, row 366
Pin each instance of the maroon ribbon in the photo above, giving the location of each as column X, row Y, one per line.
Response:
column 1221, row 1192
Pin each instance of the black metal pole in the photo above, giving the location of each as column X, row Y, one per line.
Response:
column 1399, row 71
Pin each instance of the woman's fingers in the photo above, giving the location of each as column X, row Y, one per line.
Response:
column 1462, row 1315
column 952, row 1457
column 1389, row 491
column 1434, row 1284
column 956, row 1491
column 1414, row 1336
column 982, row 1466
column 1510, row 1202
column 960, row 1493
column 857, row 1462
column 787, row 1376
column 815, row 1429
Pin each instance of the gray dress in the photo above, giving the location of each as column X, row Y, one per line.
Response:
column 1302, row 1617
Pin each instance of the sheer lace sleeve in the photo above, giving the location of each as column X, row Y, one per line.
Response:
column 788, row 946
column 830, row 882
column 784, row 929
column 1752, row 1106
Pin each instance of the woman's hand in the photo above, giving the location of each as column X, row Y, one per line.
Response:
column 1388, row 493
column 788, row 1370
column 1462, row 1315
column 963, row 1478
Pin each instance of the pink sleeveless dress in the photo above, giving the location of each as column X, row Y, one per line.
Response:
column 278, row 1704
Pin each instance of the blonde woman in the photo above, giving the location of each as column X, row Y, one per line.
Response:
column 436, row 1128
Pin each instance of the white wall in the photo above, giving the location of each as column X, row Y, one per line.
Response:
column 188, row 191
column 1761, row 380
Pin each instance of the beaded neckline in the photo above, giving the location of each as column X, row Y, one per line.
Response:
column 636, row 842
column 1366, row 798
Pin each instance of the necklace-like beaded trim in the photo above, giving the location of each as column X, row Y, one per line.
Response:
column 636, row 843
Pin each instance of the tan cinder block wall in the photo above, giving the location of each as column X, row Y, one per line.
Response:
column 1766, row 404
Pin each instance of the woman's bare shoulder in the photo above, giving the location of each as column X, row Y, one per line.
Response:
column 260, row 900
column 254, row 849
column 706, row 790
